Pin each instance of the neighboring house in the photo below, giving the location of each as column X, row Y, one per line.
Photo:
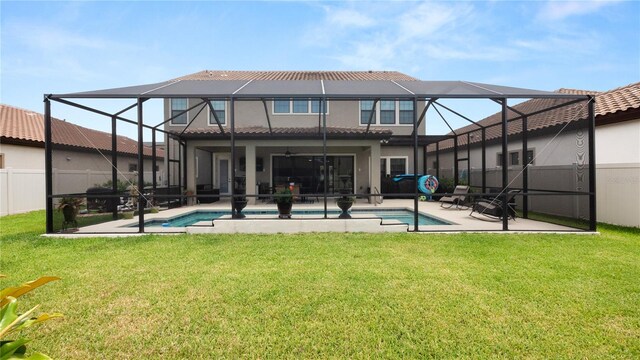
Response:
column 556, row 148
column 81, row 159
column 279, row 141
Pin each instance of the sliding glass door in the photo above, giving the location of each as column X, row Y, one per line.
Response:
column 306, row 172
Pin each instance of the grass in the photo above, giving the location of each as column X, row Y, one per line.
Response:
column 331, row 296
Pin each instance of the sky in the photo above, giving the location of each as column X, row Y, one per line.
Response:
column 61, row 47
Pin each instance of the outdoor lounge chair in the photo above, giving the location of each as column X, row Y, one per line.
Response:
column 459, row 198
column 492, row 208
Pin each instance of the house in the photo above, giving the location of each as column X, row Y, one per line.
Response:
column 279, row 141
column 323, row 134
column 555, row 152
column 81, row 159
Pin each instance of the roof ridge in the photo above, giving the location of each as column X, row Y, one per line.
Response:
column 19, row 108
column 297, row 75
column 576, row 91
column 620, row 88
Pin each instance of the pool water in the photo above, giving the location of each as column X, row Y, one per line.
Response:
column 402, row 215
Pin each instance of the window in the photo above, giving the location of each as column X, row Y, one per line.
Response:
column 297, row 106
column 514, row 158
column 281, row 106
column 406, row 112
column 392, row 166
column 133, row 167
column 398, row 166
column 387, row 112
column 220, row 106
column 315, row 106
column 178, row 106
column 300, row 106
column 530, row 157
column 366, row 107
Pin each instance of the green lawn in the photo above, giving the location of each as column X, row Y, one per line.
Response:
column 331, row 296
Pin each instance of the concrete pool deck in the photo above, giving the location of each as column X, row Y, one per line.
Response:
column 459, row 219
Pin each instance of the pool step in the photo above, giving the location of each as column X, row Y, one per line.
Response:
column 300, row 224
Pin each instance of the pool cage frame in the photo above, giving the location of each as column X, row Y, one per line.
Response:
column 498, row 94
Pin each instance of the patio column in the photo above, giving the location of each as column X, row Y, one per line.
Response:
column 375, row 170
column 250, row 171
column 191, row 164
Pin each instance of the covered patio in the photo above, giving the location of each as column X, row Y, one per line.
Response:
column 319, row 142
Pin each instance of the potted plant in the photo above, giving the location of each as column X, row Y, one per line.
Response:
column 345, row 203
column 239, row 202
column 284, row 199
column 69, row 206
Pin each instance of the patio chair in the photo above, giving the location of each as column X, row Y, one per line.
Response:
column 492, row 208
column 459, row 198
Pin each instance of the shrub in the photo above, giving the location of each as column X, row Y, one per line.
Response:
column 11, row 321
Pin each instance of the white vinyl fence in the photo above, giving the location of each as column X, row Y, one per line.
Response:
column 23, row 190
column 618, row 194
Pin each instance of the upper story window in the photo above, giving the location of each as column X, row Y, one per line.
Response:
column 366, row 108
column 220, row 107
column 387, row 112
column 296, row 106
column 282, row 106
column 300, row 106
column 405, row 112
column 178, row 106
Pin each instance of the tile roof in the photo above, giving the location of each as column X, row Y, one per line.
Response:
column 297, row 75
column 260, row 131
column 608, row 102
column 620, row 99
column 26, row 125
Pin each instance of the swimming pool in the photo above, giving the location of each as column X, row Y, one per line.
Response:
column 402, row 215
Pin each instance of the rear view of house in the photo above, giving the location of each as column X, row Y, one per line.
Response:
column 280, row 141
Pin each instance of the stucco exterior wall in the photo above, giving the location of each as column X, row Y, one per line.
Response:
column 618, row 143
column 251, row 113
column 618, row 173
column 22, row 157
